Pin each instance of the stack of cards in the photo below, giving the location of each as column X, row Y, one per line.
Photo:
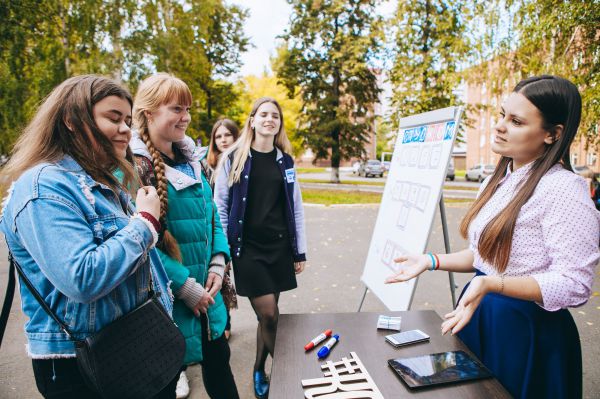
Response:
column 389, row 323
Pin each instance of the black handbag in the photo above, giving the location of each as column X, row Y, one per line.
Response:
column 135, row 356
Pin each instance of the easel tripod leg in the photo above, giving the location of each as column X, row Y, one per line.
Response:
column 447, row 247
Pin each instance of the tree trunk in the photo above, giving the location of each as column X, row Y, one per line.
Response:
column 335, row 156
column 335, row 134
column 425, row 43
column 118, row 52
column 209, row 105
column 65, row 40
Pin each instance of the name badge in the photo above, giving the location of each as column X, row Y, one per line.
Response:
column 290, row 175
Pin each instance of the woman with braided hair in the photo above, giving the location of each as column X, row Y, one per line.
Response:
column 192, row 245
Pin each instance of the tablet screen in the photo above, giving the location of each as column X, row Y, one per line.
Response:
column 438, row 368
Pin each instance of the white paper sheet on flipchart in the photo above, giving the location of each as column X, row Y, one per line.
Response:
column 410, row 199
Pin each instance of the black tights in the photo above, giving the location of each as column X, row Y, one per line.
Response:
column 267, row 311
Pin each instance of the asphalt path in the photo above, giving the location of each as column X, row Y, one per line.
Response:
column 338, row 242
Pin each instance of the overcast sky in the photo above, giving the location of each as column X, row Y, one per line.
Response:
column 268, row 19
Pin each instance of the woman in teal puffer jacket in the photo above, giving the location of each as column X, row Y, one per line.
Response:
column 193, row 247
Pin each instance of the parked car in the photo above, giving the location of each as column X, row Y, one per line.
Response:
column 479, row 172
column 450, row 170
column 583, row 171
column 386, row 165
column 372, row 167
column 355, row 167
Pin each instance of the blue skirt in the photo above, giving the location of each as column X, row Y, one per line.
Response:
column 533, row 353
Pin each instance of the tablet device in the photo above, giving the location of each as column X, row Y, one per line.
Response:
column 438, row 368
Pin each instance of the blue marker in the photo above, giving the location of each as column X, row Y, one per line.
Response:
column 325, row 349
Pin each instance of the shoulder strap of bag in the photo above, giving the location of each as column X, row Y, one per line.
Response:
column 8, row 300
column 15, row 265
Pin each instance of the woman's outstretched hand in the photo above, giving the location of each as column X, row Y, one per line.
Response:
column 410, row 267
column 459, row 317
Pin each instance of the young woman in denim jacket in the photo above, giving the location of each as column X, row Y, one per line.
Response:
column 70, row 224
column 193, row 247
column 261, row 211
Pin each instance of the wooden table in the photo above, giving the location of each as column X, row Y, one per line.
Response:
column 358, row 333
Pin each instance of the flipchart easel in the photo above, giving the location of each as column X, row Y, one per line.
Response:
column 412, row 192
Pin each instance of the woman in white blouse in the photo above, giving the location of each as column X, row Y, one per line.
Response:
column 534, row 234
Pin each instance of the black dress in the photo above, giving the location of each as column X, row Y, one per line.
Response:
column 266, row 265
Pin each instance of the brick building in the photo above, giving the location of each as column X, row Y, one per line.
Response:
column 485, row 100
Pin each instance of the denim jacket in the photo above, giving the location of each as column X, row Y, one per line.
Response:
column 231, row 203
column 87, row 258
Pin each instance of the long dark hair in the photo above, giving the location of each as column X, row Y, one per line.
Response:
column 559, row 103
column 47, row 138
column 213, row 152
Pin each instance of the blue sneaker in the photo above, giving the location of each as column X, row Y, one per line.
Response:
column 261, row 385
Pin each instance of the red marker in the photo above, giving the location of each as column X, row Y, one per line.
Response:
column 318, row 339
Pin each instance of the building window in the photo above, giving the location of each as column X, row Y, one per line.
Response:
column 591, row 159
column 574, row 159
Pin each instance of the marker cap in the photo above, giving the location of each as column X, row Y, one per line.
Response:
column 325, row 349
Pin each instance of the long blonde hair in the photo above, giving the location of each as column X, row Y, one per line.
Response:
column 241, row 148
column 153, row 92
column 47, row 138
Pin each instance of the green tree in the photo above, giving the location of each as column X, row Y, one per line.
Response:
column 563, row 38
column 330, row 44
column 200, row 42
column 533, row 37
column 43, row 43
column 430, row 46
column 225, row 44
column 385, row 138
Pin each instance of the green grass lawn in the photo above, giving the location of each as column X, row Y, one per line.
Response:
column 377, row 183
column 334, row 197
column 331, row 197
column 352, row 182
column 311, row 170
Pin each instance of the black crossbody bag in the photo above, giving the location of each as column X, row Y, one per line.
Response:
column 135, row 356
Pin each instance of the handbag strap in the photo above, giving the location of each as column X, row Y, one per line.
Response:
column 37, row 296
column 8, row 300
